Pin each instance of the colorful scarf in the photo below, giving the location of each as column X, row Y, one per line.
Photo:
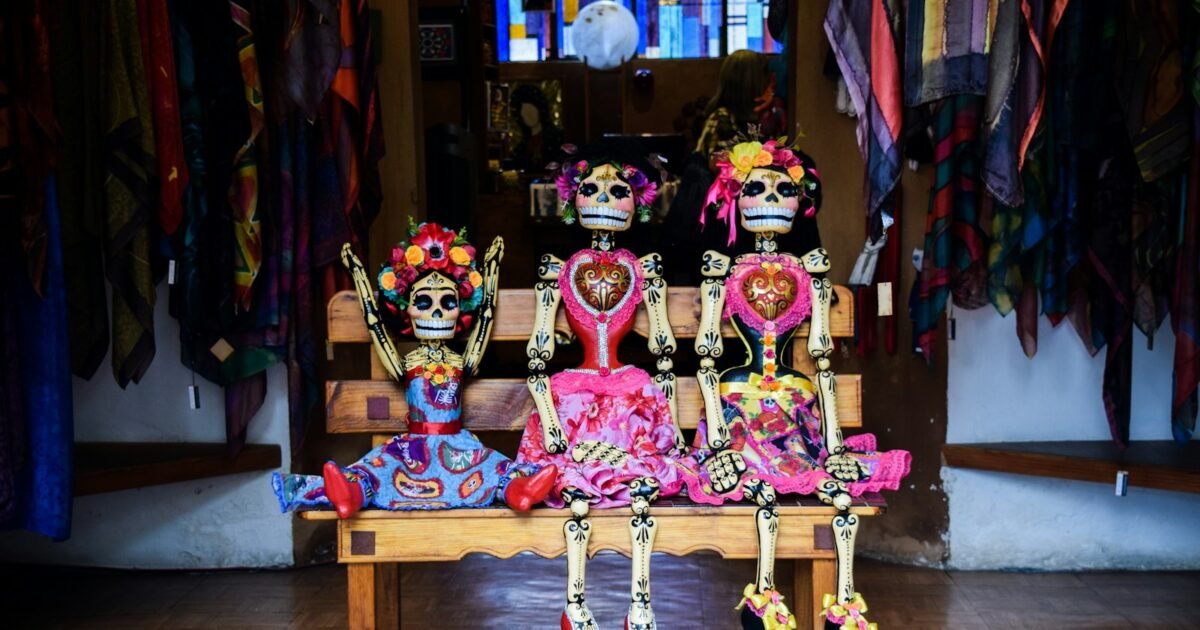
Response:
column 244, row 190
column 954, row 248
column 864, row 44
column 946, row 48
column 172, row 175
column 129, row 162
column 1185, row 301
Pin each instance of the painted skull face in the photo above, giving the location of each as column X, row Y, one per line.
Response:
column 605, row 201
column 768, row 201
column 433, row 307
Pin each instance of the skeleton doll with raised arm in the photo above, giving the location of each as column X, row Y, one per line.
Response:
column 767, row 428
column 432, row 287
column 608, row 427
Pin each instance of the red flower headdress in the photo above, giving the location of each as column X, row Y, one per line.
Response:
column 431, row 248
column 734, row 166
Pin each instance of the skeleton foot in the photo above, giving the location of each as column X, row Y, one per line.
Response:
column 577, row 530
column 642, row 529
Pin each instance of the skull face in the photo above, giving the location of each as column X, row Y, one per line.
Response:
column 433, row 307
column 605, row 201
column 768, row 201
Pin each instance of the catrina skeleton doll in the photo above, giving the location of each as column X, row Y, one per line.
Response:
column 432, row 286
column 767, row 428
column 608, row 427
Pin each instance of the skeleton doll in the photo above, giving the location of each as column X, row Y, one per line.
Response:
column 608, row 427
column 763, row 432
column 432, row 286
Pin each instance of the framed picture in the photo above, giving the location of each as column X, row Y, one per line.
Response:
column 497, row 106
column 440, row 47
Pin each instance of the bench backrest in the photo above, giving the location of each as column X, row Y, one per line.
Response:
column 503, row 404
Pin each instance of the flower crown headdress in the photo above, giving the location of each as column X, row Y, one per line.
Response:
column 575, row 169
column 431, row 247
column 734, row 166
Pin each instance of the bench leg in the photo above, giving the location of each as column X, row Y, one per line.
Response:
column 374, row 596
column 814, row 578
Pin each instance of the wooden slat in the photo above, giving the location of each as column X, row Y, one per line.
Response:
column 500, row 532
column 1164, row 465
column 504, row 404
column 515, row 308
column 111, row 466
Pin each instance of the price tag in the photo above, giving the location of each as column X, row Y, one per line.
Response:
column 885, row 299
column 193, row 397
column 171, row 271
column 1122, row 488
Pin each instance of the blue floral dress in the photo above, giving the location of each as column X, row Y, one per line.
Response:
column 436, row 465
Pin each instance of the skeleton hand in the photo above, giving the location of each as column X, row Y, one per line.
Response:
column 845, row 468
column 595, row 450
column 725, row 470
column 350, row 261
column 491, row 266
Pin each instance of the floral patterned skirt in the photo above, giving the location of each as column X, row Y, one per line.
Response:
column 413, row 472
column 779, row 436
column 623, row 409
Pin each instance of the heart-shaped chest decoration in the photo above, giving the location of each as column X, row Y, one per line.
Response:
column 769, row 290
column 602, row 283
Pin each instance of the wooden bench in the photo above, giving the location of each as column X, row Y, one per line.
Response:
column 374, row 542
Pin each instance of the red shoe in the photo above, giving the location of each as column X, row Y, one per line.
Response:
column 344, row 494
column 525, row 492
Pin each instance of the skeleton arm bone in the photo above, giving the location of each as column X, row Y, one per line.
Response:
column 481, row 332
column 540, row 350
column 820, row 346
column 660, row 338
column 709, row 345
column 366, row 297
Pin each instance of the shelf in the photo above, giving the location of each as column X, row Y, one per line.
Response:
column 111, row 466
column 1163, row 465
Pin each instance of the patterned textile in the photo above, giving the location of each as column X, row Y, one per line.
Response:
column 172, row 175
column 129, row 161
column 864, row 43
column 1151, row 75
column 1185, row 301
column 946, row 48
column 35, row 128
column 76, row 63
column 244, row 190
column 954, row 242
column 770, row 409
column 623, row 409
column 1020, row 49
column 45, row 482
column 416, row 471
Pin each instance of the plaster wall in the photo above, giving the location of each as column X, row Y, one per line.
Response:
column 1001, row 520
column 228, row 521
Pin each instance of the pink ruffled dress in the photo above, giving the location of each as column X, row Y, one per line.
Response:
column 772, row 411
column 602, row 400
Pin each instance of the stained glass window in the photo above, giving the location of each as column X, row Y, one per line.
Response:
column 670, row 29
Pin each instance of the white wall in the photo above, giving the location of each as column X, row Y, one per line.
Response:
column 227, row 521
column 1000, row 520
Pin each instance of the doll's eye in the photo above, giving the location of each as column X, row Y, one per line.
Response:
column 788, row 189
column 619, row 191
column 423, row 302
column 449, row 302
column 754, row 189
column 589, row 189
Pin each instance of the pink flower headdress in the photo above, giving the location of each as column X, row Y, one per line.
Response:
column 635, row 171
column 734, row 166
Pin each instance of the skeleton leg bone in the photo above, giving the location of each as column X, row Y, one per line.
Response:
column 766, row 605
column 578, row 530
column 642, row 529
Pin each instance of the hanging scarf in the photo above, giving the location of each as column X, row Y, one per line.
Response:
column 129, row 163
column 76, row 66
column 946, row 48
column 864, row 44
column 1185, row 301
column 244, row 190
column 954, row 243
column 171, row 173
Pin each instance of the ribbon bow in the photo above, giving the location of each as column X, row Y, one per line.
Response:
column 775, row 383
column 768, row 606
column 849, row 614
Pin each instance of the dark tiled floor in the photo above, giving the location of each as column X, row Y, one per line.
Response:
column 526, row 592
